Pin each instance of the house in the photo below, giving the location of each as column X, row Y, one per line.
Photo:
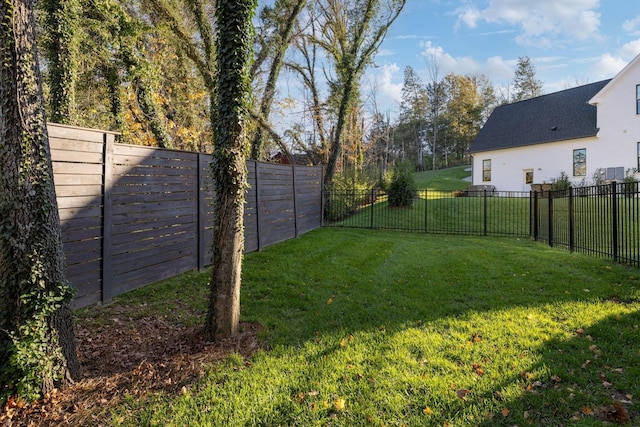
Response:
column 590, row 132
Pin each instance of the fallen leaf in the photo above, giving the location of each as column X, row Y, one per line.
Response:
column 462, row 393
column 343, row 343
column 587, row 411
column 505, row 412
column 428, row 411
column 340, row 404
column 618, row 414
column 330, row 300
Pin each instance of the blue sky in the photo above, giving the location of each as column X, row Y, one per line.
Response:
column 570, row 42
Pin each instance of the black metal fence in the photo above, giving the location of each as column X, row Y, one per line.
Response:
column 602, row 221
column 450, row 212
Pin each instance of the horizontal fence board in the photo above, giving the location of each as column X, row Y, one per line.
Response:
column 136, row 217
column 151, row 257
column 61, row 179
column 79, row 190
column 138, row 278
column 63, row 156
column 153, row 223
column 121, row 170
column 135, row 240
column 68, row 214
column 77, row 168
column 75, row 133
column 78, row 202
column 127, row 180
column 76, row 145
column 152, row 207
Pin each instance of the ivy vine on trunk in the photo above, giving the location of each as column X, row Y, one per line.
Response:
column 230, row 115
column 37, row 350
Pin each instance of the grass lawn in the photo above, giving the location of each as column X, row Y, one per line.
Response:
column 387, row 328
column 443, row 179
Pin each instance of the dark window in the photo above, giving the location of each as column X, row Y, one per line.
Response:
column 528, row 177
column 580, row 162
column 638, row 157
column 486, row 170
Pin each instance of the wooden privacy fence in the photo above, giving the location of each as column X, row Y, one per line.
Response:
column 133, row 215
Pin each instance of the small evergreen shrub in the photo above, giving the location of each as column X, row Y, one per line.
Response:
column 561, row 183
column 402, row 188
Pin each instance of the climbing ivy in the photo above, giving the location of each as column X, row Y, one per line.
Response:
column 234, row 49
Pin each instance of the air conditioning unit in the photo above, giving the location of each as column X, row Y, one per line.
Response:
column 606, row 175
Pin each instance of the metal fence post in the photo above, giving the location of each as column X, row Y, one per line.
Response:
column 372, row 200
column 550, row 197
column 426, row 215
column 535, row 216
column 485, row 212
column 572, row 238
column 614, row 219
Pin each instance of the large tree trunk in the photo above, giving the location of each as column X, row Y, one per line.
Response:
column 235, row 40
column 34, row 298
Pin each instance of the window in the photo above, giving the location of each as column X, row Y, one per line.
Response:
column 637, row 99
column 486, row 170
column 528, row 176
column 580, row 162
column 638, row 156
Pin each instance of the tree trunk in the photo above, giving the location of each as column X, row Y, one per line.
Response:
column 34, row 297
column 232, row 103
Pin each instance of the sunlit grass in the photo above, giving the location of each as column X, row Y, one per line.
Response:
column 444, row 179
column 386, row 328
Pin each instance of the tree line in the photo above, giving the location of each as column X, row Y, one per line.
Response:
column 146, row 68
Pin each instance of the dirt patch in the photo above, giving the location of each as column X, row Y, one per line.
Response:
column 129, row 358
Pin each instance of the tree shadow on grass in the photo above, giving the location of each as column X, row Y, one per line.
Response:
column 599, row 364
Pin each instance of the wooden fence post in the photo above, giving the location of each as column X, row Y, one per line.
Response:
column 258, row 216
column 107, row 218
column 202, row 212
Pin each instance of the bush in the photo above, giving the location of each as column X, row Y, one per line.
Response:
column 402, row 188
column 561, row 183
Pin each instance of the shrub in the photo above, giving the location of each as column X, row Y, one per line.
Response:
column 402, row 188
column 561, row 183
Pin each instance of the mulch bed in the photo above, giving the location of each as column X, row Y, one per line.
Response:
column 129, row 358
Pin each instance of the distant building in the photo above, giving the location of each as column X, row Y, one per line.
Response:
column 587, row 132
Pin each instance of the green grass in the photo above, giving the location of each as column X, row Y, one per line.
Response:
column 443, row 179
column 387, row 328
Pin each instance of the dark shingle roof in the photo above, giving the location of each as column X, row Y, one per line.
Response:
column 557, row 116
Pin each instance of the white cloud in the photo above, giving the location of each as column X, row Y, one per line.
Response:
column 495, row 67
column 632, row 26
column 542, row 22
column 386, row 83
column 608, row 65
